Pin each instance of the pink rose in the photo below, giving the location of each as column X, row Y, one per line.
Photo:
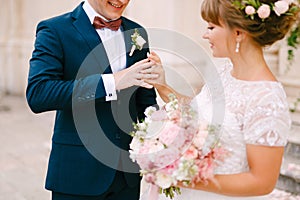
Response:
column 264, row 11
column 191, row 153
column 250, row 10
column 200, row 139
column 281, row 7
column 149, row 177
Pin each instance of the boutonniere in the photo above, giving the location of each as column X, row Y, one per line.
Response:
column 137, row 41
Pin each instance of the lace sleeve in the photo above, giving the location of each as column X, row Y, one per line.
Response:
column 267, row 119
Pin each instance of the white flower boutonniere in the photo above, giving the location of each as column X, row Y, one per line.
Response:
column 137, row 42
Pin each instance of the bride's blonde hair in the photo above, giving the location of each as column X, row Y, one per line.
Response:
column 264, row 32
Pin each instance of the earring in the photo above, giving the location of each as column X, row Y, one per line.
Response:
column 237, row 47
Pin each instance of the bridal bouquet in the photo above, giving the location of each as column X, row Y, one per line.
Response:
column 168, row 147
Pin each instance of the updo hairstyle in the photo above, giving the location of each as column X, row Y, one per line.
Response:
column 264, row 32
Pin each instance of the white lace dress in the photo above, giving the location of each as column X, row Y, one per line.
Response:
column 256, row 112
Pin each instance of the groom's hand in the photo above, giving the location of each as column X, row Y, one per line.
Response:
column 132, row 75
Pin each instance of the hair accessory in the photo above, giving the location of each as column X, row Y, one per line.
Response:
column 254, row 8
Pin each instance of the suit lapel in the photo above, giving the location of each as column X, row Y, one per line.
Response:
column 83, row 25
column 128, row 31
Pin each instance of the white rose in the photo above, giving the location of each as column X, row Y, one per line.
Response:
column 163, row 180
column 172, row 105
column 281, row 7
column 250, row 10
column 140, row 133
column 142, row 126
column 264, row 11
column 140, row 42
column 148, row 120
column 135, row 144
column 149, row 110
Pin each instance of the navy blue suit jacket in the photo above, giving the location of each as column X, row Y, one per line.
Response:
column 65, row 75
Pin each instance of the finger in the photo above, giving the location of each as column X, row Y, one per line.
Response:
column 146, row 85
column 144, row 66
column 138, row 76
column 153, row 70
column 142, row 83
column 142, row 61
column 151, row 82
column 139, row 64
column 147, row 70
column 153, row 53
column 154, row 56
column 141, row 76
column 149, row 76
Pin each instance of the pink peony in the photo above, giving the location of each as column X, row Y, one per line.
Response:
column 281, row 7
column 250, row 10
column 168, row 134
column 191, row 153
column 200, row 138
column 264, row 11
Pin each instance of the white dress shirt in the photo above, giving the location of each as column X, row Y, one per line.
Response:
column 114, row 45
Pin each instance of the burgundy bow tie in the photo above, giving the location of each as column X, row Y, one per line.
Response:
column 101, row 23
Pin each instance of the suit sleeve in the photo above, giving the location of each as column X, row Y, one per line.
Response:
column 47, row 88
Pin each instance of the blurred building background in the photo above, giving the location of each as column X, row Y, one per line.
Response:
column 19, row 18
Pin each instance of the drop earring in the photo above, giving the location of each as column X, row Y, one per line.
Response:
column 237, row 47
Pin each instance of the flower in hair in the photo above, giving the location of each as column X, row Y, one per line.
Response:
column 263, row 10
column 281, row 7
column 250, row 10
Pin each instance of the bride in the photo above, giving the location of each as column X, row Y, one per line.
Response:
column 256, row 119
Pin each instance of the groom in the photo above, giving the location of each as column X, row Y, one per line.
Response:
column 81, row 68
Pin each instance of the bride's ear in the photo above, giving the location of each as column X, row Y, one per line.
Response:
column 239, row 35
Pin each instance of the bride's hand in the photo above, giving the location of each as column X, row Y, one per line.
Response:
column 157, row 68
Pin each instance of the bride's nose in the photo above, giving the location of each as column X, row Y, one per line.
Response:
column 205, row 35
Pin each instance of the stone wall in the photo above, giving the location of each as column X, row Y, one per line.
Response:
column 17, row 32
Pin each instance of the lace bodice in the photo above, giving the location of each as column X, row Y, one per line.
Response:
column 256, row 112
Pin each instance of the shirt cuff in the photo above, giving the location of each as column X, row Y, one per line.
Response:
column 110, row 87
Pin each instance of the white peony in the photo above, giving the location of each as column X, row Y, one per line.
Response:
column 163, row 180
column 281, row 7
